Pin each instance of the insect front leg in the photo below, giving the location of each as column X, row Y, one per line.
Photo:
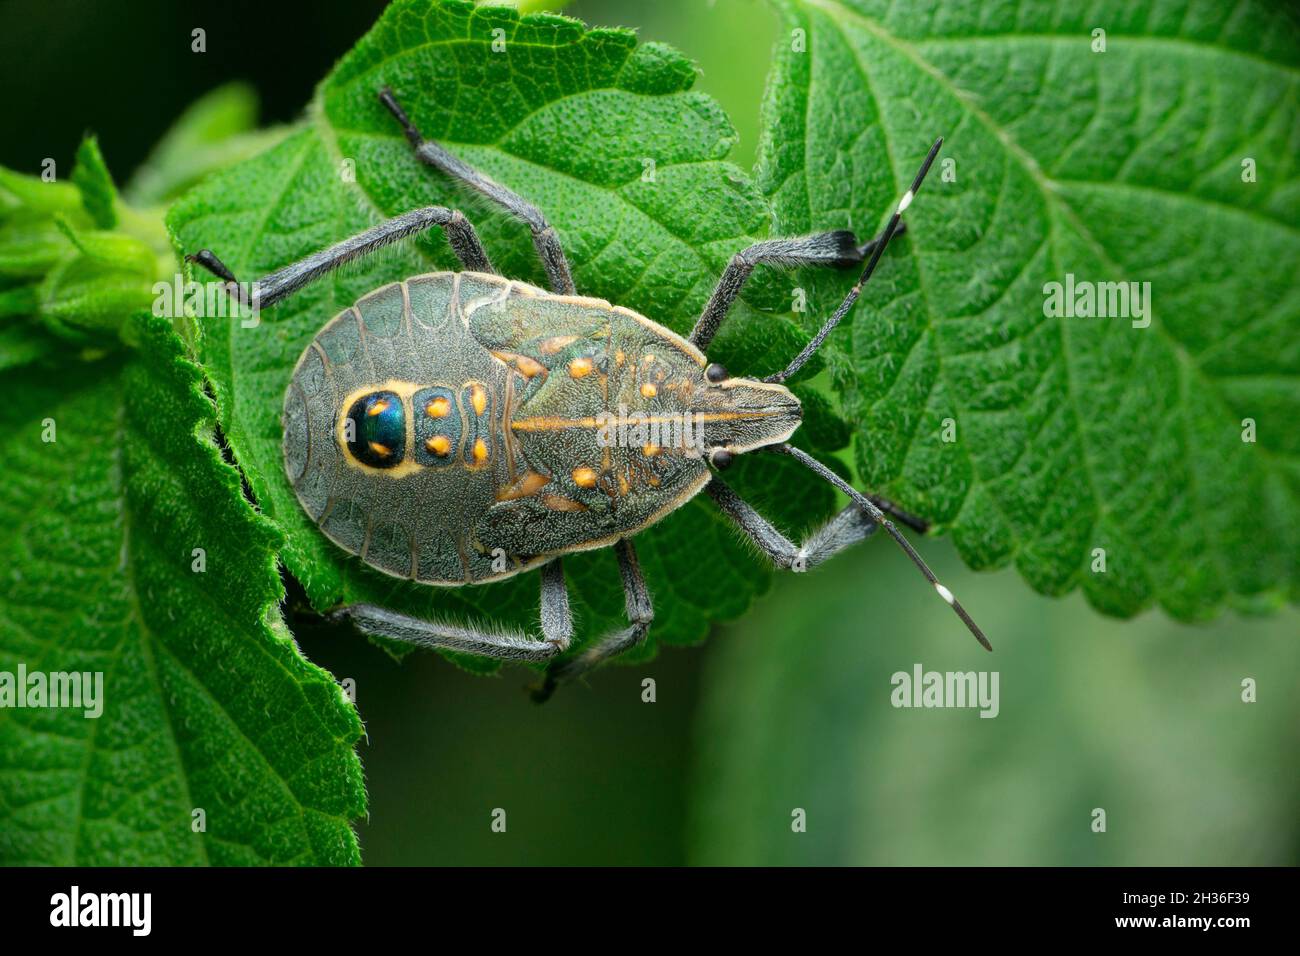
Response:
column 838, row 248
column 557, row 627
column 640, row 615
column 850, row 526
column 545, row 239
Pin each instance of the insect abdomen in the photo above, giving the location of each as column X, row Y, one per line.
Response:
column 392, row 431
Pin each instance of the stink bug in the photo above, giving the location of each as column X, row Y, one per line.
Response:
column 460, row 427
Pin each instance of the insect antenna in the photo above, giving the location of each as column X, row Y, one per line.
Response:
column 811, row 348
column 879, row 517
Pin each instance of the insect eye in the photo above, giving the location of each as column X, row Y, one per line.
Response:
column 378, row 434
column 720, row 458
column 715, row 373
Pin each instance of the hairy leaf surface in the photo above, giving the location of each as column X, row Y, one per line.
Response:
column 1073, row 435
column 132, row 554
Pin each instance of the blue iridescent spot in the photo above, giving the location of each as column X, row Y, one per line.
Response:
column 378, row 430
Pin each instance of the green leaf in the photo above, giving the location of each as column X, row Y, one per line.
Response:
column 206, row 702
column 31, row 241
column 65, row 278
column 76, row 259
column 41, row 197
column 217, row 130
column 1145, row 720
column 95, row 183
column 84, row 300
column 34, row 219
column 1073, row 434
column 531, row 6
column 22, row 342
column 567, row 117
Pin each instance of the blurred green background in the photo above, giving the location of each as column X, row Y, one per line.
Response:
column 790, row 706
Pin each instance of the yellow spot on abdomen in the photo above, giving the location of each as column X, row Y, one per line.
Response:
column 438, row 408
column 584, row 477
column 649, row 390
column 478, row 398
column 380, row 449
column 580, row 368
column 480, row 450
column 438, row 445
column 650, row 450
column 378, row 408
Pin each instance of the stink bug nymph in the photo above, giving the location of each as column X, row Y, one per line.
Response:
column 461, row 427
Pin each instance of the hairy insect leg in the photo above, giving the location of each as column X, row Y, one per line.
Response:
column 208, row 259
column 545, row 239
column 640, row 614
column 850, row 526
column 271, row 288
column 557, row 627
column 839, row 248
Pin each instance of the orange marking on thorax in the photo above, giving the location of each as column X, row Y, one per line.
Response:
column 527, row 367
column 558, row 503
column 529, row 484
column 555, row 344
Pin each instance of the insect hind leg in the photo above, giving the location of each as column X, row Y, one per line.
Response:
column 545, row 239
column 557, row 627
column 640, row 615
